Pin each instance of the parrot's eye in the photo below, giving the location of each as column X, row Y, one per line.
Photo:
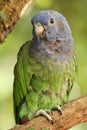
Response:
column 51, row 21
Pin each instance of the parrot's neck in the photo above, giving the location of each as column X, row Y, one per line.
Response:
column 53, row 51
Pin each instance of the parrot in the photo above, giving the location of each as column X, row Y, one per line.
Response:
column 45, row 70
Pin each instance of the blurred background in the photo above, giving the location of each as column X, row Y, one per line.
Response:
column 75, row 12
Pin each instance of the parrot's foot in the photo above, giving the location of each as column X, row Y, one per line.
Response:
column 45, row 113
column 58, row 108
column 48, row 111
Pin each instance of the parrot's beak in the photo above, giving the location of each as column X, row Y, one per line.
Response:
column 39, row 30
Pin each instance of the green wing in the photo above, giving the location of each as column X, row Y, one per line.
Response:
column 22, row 76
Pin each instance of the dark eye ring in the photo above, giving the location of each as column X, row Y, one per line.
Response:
column 51, row 20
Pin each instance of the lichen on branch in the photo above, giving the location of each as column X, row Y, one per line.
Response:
column 10, row 12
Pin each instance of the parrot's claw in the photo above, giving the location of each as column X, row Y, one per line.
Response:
column 45, row 113
column 58, row 108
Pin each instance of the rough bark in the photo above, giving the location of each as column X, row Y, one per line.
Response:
column 74, row 112
column 10, row 12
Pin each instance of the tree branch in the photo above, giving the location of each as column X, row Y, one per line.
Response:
column 74, row 112
column 10, row 12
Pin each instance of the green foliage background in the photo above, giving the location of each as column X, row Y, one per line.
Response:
column 75, row 12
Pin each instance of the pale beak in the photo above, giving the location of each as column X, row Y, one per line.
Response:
column 39, row 30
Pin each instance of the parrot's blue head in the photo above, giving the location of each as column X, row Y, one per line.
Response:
column 51, row 26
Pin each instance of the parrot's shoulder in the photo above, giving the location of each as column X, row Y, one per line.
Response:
column 24, row 49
